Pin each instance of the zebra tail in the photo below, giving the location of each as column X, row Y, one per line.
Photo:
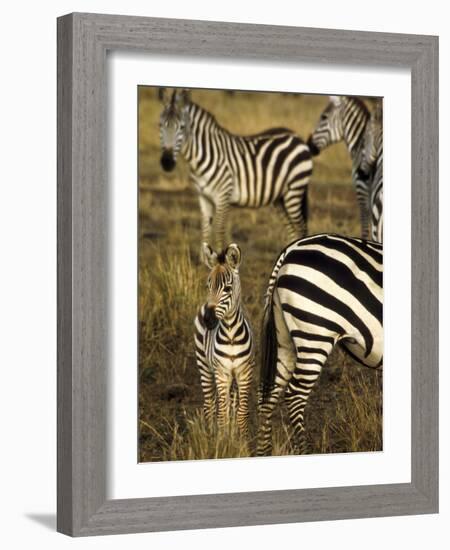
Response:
column 268, row 351
column 269, row 342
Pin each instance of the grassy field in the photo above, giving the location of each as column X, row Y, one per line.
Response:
column 344, row 413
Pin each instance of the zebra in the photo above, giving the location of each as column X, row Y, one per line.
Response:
column 376, row 219
column 347, row 118
column 273, row 167
column 324, row 290
column 371, row 170
column 224, row 341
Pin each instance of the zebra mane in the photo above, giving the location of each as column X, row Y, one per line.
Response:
column 221, row 257
column 357, row 141
column 196, row 108
column 359, row 102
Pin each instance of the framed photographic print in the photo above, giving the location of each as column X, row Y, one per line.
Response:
column 244, row 308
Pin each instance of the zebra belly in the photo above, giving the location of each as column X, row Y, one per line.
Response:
column 249, row 194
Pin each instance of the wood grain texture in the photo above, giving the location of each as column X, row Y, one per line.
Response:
column 83, row 206
column 64, row 331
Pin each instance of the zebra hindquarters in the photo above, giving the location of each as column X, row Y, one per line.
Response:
column 300, row 353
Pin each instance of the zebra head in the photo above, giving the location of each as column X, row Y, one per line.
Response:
column 224, row 285
column 173, row 126
column 329, row 128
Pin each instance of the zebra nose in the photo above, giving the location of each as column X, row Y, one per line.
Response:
column 167, row 161
column 210, row 318
column 312, row 147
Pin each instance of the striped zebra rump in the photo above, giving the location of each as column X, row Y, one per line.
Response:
column 348, row 119
column 228, row 170
column 224, row 341
column 326, row 290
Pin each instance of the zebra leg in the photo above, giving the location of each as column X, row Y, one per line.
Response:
column 267, row 407
column 207, row 212
column 222, row 207
column 295, row 210
column 206, row 372
column 311, row 356
column 268, row 403
column 291, row 229
column 208, row 387
column 363, row 201
column 243, row 381
column 285, row 366
column 223, row 386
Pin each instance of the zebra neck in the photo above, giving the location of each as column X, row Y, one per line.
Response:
column 204, row 129
column 233, row 321
column 354, row 128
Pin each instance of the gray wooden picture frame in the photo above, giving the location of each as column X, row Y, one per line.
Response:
column 83, row 41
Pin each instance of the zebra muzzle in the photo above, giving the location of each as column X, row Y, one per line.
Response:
column 314, row 150
column 210, row 318
column 168, row 161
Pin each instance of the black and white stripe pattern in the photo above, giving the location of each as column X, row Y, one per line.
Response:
column 347, row 118
column 324, row 290
column 273, row 167
column 371, row 170
column 223, row 340
column 376, row 213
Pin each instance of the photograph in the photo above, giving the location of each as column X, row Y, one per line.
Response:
column 215, row 336
column 260, row 274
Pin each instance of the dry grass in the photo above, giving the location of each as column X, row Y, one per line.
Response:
column 344, row 412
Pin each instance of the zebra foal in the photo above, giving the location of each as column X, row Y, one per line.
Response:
column 348, row 119
column 324, row 290
column 223, row 340
column 273, row 167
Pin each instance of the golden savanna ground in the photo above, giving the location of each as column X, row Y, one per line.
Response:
column 344, row 412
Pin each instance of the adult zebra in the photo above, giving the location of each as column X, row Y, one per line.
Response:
column 371, row 170
column 347, row 118
column 223, row 339
column 273, row 167
column 324, row 290
column 376, row 219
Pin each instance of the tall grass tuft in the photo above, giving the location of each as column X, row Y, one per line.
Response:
column 192, row 439
column 356, row 424
column 170, row 294
column 195, row 440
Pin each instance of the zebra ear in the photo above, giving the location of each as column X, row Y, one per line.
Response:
column 184, row 97
column 233, row 256
column 162, row 95
column 209, row 256
column 336, row 99
column 378, row 111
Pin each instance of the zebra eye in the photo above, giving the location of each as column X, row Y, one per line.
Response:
column 227, row 288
